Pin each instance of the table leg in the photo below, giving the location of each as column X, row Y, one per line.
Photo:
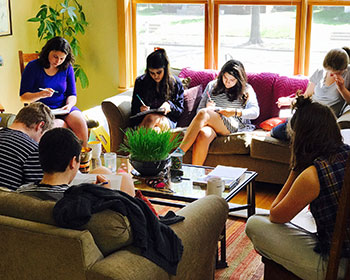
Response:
column 221, row 263
column 251, row 198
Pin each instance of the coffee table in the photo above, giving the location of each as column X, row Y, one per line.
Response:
column 187, row 191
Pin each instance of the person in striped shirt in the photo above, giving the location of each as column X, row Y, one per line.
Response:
column 227, row 106
column 19, row 156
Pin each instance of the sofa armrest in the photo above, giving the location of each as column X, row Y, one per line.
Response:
column 117, row 110
column 199, row 232
column 344, row 120
column 6, row 119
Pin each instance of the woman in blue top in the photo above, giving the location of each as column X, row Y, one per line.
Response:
column 227, row 105
column 50, row 80
column 316, row 178
column 157, row 89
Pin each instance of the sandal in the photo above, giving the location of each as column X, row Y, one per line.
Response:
column 155, row 183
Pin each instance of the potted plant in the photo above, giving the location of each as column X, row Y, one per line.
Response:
column 149, row 149
column 66, row 20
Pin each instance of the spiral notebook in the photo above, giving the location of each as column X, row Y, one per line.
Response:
column 151, row 111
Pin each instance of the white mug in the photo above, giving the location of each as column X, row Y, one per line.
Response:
column 96, row 149
column 215, row 186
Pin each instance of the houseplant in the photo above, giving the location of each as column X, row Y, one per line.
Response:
column 66, row 20
column 148, row 149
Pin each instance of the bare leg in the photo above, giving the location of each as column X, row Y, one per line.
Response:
column 76, row 122
column 155, row 121
column 205, row 117
column 201, row 146
column 59, row 123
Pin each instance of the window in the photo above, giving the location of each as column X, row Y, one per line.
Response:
column 178, row 28
column 251, row 35
column 330, row 29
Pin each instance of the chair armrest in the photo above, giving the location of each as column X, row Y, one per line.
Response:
column 199, row 232
column 6, row 119
column 117, row 110
column 344, row 120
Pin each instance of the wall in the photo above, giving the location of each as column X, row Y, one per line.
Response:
column 99, row 48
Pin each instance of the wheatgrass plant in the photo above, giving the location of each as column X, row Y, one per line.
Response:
column 146, row 144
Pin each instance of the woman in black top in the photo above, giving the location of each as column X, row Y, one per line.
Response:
column 157, row 89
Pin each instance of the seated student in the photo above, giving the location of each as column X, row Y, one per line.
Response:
column 318, row 163
column 59, row 154
column 227, row 105
column 19, row 157
column 157, row 89
column 50, row 80
column 329, row 86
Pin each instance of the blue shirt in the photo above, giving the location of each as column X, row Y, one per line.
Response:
column 35, row 77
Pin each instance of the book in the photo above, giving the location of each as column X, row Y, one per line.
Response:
column 81, row 178
column 230, row 175
column 151, row 111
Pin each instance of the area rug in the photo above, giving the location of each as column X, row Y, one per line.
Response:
column 243, row 262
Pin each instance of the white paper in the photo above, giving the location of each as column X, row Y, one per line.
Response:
column 80, row 178
column 59, row 111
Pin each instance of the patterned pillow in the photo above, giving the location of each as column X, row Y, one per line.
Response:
column 199, row 77
column 192, row 97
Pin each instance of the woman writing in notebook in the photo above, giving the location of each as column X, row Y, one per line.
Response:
column 227, row 105
column 50, row 80
column 157, row 89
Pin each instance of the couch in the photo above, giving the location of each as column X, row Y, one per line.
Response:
column 33, row 247
column 255, row 150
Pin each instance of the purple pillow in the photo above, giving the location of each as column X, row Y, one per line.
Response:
column 199, row 77
column 192, row 97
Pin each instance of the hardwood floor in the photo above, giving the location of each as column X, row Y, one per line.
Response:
column 264, row 195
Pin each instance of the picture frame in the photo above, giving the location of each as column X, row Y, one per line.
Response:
column 5, row 18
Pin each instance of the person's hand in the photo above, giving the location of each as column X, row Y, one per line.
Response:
column 226, row 112
column 211, row 103
column 284, row 101
column 144, row 108
column 102, row 181
column 339, row 80
column 47, row 92
column 166, row 107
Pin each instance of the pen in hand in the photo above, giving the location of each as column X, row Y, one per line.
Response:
column 103, row 183
column 143, row 103
column 55, row 91
column 209, row 96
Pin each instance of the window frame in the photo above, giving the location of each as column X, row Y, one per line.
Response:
column 126, row 16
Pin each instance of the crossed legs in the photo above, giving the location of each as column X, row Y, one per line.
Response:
column 202, row 131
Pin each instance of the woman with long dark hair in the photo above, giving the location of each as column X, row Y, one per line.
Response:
column 157, row 89
column 227, row 105
column 50, row 80
column 318, row 163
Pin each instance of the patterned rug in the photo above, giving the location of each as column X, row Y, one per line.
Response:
column 243, row 262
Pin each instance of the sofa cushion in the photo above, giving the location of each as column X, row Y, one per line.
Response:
column 235, row 143
column 262, row 84
column 269, row 148
column 198, row 77
column 286, row 86
column 192, row 97
column 109, row 229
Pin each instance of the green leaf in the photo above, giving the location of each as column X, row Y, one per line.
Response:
column 84, row 81
column 35, row 19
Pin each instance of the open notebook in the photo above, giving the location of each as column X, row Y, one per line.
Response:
column 80, row 178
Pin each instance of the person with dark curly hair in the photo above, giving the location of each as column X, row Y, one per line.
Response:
column 50, row 80
column 227, row 105
column 157, row 89
column 318, row 162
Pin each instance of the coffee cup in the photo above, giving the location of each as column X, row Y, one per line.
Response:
column 96, row 149
column 215, row 186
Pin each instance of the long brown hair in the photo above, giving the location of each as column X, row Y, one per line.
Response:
column 236, row 69
column 314, row 132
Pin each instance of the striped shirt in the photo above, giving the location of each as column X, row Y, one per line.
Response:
column 43, row 191
column 19, row 159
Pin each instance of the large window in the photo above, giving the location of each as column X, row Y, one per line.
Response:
column 251, row 35
column 178, row 28
column 330, row 29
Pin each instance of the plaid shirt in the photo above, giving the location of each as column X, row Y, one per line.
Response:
column 324, row 207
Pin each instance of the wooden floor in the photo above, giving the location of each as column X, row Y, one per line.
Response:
column 264, row 195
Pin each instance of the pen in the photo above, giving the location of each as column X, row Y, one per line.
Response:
column 208, row 95
column 141, row 100
column 103, row 183
column 55, row 91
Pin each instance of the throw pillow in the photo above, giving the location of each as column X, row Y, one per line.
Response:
column 111, row 231
column 192, row 97
column 271, row 123
column 185, row 82
column 199, row 77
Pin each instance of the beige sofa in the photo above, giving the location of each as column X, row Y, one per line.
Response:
column 32, row 247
